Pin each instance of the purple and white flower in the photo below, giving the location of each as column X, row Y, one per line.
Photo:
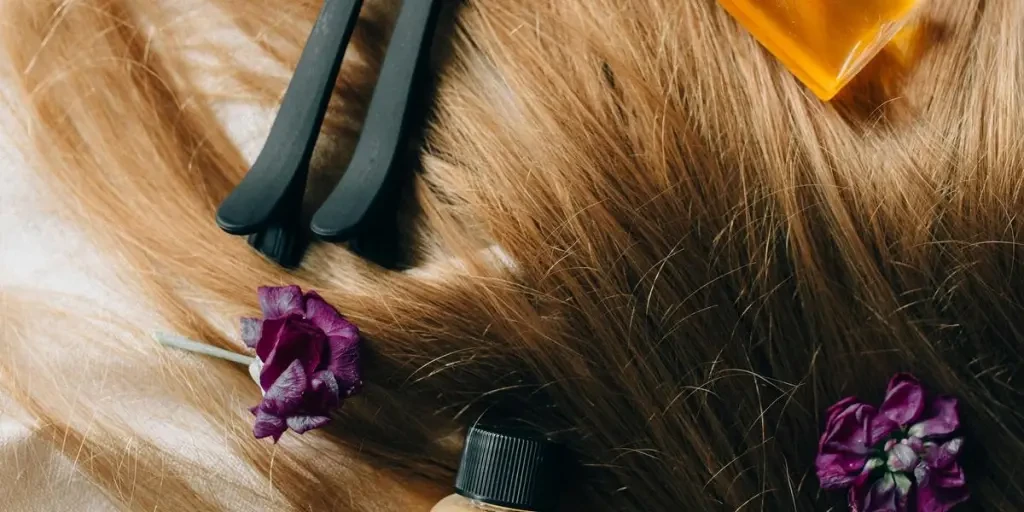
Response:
column 307, row 360
column 899, row 457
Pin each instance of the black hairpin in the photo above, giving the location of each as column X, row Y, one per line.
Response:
column 370, row 176
column 267, row 204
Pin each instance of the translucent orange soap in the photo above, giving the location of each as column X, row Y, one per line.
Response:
column 825, row 43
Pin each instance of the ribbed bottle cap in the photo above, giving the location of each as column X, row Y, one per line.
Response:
column 510, row 468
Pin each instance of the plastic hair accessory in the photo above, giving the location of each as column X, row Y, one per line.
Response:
column 899, row 457
column 307, row 360
column 825, row 43
column 368, row 187
column 266, row 205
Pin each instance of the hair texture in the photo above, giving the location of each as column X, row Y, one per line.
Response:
column 699, row 256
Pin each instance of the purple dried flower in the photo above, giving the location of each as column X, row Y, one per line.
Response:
column 307, row 360
column 898, row 458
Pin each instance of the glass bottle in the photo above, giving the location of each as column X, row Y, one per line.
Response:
column 459, row 503
column 506, row 470
column 825, row 43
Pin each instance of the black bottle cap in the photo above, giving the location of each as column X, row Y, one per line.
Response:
column 510, row 468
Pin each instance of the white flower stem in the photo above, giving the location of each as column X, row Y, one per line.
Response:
column 183, row 343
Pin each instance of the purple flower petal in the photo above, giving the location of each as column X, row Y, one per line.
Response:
column 944, row 455
column 325, row 388
column 285, row 395
column 303, row 424
column 324, row 316
column 949, row 478
column 835, row 414
column 882, row 496
column 270, row 332
column 904, row 401
column 279, row 301
column 838, row 408
column 879, row 429
column 844, row 447
column 252, row 328
column 915, row 443
column 942, row 418
column 268, row 425
column 343, row 361
column 940, row 490
column 298, row 341
column 849, row 432
column 940, row 500
column 840, row 470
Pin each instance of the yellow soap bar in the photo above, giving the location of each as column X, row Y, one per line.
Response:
column 825, row 43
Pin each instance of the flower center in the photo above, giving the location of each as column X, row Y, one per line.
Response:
column 901, row 455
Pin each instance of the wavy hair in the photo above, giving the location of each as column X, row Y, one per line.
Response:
column 697, row 256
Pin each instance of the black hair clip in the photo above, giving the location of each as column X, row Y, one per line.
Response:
column 267, row 204
column 371, row 174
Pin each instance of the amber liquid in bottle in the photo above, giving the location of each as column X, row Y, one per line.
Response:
column 825, row 43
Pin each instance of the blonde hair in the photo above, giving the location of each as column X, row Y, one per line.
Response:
column 700, row 257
